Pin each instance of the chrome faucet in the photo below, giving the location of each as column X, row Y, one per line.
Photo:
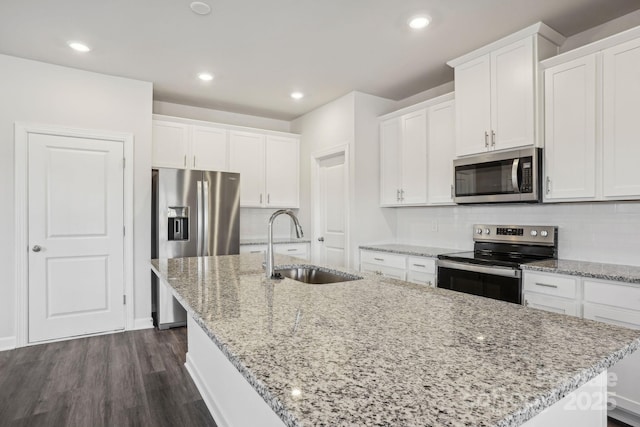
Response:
column 270, row 273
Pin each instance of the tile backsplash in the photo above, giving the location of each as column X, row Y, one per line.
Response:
column 253, row 224
column 599, row 232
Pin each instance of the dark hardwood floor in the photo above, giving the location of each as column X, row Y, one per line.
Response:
column 127, row 379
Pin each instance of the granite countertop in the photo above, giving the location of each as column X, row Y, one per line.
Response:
column 276, row 241
column 394, row 248
column 616, row 272
column 383, row 352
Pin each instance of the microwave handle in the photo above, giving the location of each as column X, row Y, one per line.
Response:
column 514, row 175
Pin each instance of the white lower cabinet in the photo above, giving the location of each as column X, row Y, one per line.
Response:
column 414, row 269
column 605, row 301
column 297, row 250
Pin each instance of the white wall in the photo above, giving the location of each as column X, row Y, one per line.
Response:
column 35, row 92
column 218, row 116
column 253, row 225
column 607, row 29
column 599, row 232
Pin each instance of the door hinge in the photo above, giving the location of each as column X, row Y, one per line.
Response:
column 124, row 300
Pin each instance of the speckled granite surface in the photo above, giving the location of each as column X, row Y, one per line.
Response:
column 276, row 241
column 425, row 251
column 380, row 352
column 621, row 273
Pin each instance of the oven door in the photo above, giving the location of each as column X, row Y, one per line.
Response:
column 499, row 283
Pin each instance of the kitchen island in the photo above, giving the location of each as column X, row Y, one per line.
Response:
column 378, row 351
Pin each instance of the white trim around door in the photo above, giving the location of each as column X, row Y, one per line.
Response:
column 21, row 222
column 316, row 158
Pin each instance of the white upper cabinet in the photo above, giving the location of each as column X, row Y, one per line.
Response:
column 570, row 130
column 496, row 88
column 210, row 148
column 416, row 154
column 621, row 120
column 592, row 96
column 268, row 167
column 170, row 145
column 441, row 152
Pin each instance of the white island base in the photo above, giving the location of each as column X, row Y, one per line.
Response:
column 233, row 402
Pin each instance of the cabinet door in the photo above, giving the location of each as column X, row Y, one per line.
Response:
column 414, row 158
column 473, row 100
column 170, row 145
column 512, row 95
column 441, row 152
column 282, row 172
column 621, row 124
column 570, row 130
column 390, row 162
column 247, row 157
column 209, row 149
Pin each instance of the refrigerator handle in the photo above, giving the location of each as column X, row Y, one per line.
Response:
column 199, row 209
column 205, row 215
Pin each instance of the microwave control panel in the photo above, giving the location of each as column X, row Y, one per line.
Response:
column 527, row 176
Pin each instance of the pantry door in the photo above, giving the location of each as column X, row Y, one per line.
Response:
column 330, row 209
column 75, row 233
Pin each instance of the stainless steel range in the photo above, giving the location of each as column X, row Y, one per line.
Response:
column 492, row 269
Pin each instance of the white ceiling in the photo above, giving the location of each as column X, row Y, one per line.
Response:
column 261, row 50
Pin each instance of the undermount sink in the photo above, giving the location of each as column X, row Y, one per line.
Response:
column 315, row 275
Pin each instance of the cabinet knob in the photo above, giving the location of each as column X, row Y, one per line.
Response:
column 320, row 239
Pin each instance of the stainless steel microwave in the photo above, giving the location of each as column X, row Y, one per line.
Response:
column 499, row 177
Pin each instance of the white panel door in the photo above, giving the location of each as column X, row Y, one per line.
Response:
column 473, row 106
column 570, row 130
column 283, row 158
column 247, row 157
column 512, row 95
column 209, row 149
column 414, row 158
column 76, row 265
column 332, row 210
column 441, row 152
column 170, row 145
column 621, row 123
column 390, row 162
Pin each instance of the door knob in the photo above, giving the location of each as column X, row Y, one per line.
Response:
column 36, row 248
column 320, row 239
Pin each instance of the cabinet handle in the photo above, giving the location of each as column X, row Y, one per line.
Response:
column 548, row 185
column 194, row 161
column 291, row 250
column 493, row 138
column 398, row 195
column 260, row 198
column 486, row 139
column 401, row 195
column 256, row 252
column 546, row 285
column 268, row 198
column 379, row 273
column 452, row 196
column 526, row 303
column 185, row 160
column 420, row 265
column 379, row 259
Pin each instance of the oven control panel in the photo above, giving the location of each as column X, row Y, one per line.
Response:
column 520, row 234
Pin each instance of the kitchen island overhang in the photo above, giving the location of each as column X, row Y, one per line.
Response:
column 380, row 351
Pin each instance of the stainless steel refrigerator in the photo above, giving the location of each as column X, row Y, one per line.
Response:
column 195, row 213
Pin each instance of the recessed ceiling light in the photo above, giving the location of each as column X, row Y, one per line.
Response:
column 200, row 8
column 297, row 95
column 205, row 77
column 79, row 47
column 420, row 21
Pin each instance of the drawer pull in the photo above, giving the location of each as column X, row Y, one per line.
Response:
column 291, row 250
column 546, row 285
column 379, row 273
column 420, row 265
column 255, row 252
column 379, row 259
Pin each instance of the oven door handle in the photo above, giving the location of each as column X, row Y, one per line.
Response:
column 496, row 271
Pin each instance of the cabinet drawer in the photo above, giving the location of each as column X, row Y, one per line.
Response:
column 612, row 315
column 612, row 293
column 253, row 249
column 381, row 270
column 291, row 249
column 551, row 284
column 383, row 259
column 424, row 265
column 552, row 304
column 421, row 278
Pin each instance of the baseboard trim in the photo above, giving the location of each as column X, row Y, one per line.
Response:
column 201, row 385
column 142, row 323
column 626, row 417
column 8, row 343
